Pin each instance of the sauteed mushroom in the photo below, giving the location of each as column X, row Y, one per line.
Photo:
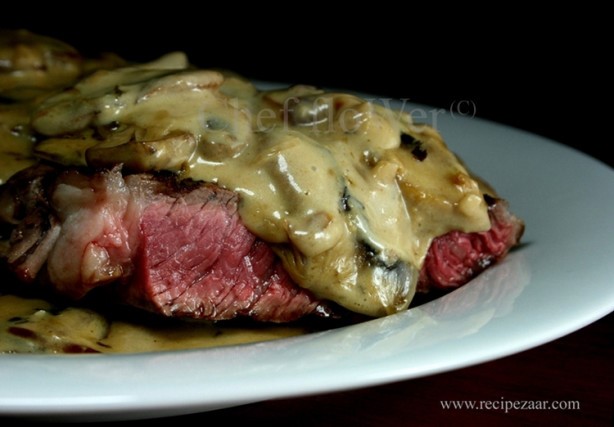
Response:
column 31, row 64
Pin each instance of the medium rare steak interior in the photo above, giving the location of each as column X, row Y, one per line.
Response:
column 179, row 247
column 175, row 248
column 195, row 194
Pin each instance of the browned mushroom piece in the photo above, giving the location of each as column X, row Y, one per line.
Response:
column 168, row 153
column 31, row 64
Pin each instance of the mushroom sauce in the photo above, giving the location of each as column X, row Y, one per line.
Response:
column 32, row 325
column 349, row 193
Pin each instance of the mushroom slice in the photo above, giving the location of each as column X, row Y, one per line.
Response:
column 65, row 151
column 70, row 149
column 181, row 82
column 310, row 110
column 169, row 153
column 31, row 64
column 170, row 61
column 360, row 279
column 16, row 139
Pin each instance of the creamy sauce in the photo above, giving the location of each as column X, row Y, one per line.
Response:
column 36, row 326
column 349, row 193
column 331, row 179
column 16, row 142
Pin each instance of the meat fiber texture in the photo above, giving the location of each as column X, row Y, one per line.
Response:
column 179, row 248
column 456, row 257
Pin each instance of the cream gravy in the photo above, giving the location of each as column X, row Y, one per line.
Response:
column 36, row 326
column 349, row 193
column 331, row 179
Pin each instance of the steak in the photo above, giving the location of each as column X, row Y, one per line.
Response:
column 170, row 247
column 456, row 257
column 179, row 247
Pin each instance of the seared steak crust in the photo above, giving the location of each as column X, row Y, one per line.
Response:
column 179, row 247
column 172, row 247
column 455, row 258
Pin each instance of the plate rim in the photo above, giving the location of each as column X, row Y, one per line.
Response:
column 131, row 407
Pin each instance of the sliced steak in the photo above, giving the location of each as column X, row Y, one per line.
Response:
column 179, row 248
column 24, row 204
column 456, row 257
column 195, row 258
column 172, row 247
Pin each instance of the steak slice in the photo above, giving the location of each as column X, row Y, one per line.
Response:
column 456, row 257
column 195, row 258
column 24, row 204
column 177, row 248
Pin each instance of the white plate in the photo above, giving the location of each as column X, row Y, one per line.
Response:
column 558, row 282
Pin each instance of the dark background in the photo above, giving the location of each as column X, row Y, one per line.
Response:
column 544, row 74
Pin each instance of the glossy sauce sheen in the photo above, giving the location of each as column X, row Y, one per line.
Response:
column 331, row 179
column 35, row 326
column 349, row 193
